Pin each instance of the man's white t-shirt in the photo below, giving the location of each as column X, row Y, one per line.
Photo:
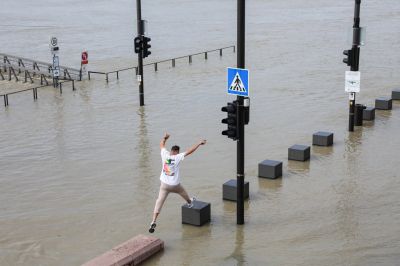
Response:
column 170, row 167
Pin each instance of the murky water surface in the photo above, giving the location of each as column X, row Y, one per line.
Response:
column 79, row 171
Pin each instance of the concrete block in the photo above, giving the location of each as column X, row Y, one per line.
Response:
column 229, row 190
column 323, row 138
column 270, row 169
column 383, row 103
column 198, row 215
column 131, row 252
column 396, row 94
column 369, row 113
column 299, row 153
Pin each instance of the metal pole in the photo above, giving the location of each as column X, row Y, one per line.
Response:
column 140, row 55
column 355, row 66
column 240, row 143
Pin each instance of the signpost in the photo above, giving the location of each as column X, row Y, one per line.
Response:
column 238, row 81
column 352, row 82
column 84, row 62
column 54, row 49
column 241, row 4
column 238, row 111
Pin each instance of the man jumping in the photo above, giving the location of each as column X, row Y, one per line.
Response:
column 170, row 180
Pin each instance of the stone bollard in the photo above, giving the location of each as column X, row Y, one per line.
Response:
column 323, row 138
column 369, row 114
column 299, row 153
column 270, row 169
column 198, row 215
column 396, row 94
column 383, row 103
column 229, row 190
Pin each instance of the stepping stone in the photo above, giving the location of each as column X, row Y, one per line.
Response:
column 369, row 113
column 270, row 169
column 229, row 190
column 299, row 153
column 322, row 138
column 396, row 94
column 198, row 215
column 383, row 103
column 131, row 252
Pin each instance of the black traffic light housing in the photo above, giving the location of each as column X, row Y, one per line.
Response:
column 146, row 46
column 138, row 44
column 232, row 120
column 350, row 60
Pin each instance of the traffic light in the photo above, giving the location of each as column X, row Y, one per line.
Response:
column 146, row 46
column 138, row 44
column 350, row 60
column 231, row 120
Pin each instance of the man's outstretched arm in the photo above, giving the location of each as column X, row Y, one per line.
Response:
column 195, row 147
column 164, row 140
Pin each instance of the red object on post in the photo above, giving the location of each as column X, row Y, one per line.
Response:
column 85, row 56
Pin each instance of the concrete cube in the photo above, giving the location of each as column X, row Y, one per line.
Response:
column 229, row 190
column 323, row 138
column 396, row 94
column 198, row 215
column 270, row 169
column 369, row 113
column 383, row 103
column 299, row 153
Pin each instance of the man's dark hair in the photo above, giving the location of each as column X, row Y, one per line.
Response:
column 175, row 148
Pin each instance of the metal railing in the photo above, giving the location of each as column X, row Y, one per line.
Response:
column 35, row 89
column 155, row 64
column 14, row 66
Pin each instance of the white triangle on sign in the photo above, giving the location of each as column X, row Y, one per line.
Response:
column 237, row 84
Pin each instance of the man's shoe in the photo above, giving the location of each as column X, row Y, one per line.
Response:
column 152, row 227
column 191, row 204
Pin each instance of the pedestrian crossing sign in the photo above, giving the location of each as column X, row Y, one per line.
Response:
column 238, row 81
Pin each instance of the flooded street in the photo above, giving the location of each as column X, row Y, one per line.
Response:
column 79, row 172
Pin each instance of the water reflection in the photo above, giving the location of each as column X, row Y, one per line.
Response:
column 298, row 167
column 143, row 146
column 322, row 151
column 143, row 151
column 238, row 255
column 59, row 126
column 353, row 141
column 193, row 234
column 271, row 185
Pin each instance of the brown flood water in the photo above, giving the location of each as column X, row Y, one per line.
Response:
column 79, row 172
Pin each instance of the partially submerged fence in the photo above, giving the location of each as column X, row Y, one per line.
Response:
column 155, row 64
column 35, row 90
column 23, row 69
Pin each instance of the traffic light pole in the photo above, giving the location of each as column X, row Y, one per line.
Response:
column 355, row 66
column 140, row 32
column 240, row 143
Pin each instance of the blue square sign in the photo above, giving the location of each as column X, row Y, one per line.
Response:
column 238, row 81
